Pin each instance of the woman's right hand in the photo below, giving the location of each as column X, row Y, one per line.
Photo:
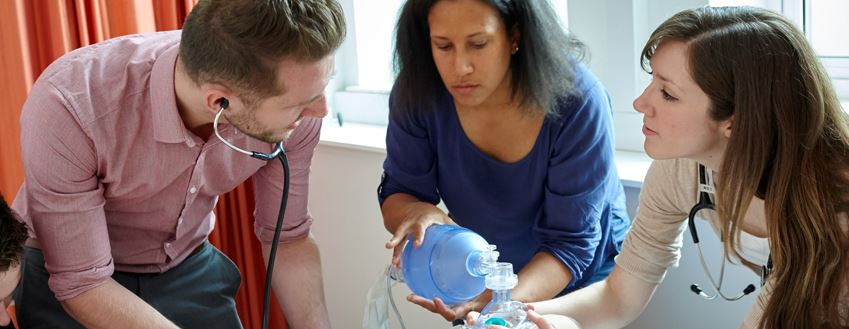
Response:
column 418, row 217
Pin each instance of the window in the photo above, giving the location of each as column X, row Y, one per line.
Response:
column 825, row 25
column 374, row 23
column 365, row 62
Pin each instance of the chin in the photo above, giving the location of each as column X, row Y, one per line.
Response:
column 272, row 138
column 653, row 152
column 282, row 138
column 467, row 101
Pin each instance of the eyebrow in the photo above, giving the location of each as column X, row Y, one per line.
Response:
column 468, row 36
column 309, row 101
column 661, row 77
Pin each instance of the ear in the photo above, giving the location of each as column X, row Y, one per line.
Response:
column 725, row 127
column 515, row 35
column 212, row 95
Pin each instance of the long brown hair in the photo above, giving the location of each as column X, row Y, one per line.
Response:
column 789, row 146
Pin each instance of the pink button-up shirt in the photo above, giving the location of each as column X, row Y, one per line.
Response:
column 115, row 181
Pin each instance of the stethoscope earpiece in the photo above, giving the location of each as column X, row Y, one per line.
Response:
column 749, row 289
column 696, row 289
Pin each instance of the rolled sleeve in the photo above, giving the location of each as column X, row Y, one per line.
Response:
column 656, row 236
column 573, row 235
column 410, row 165
column 268, row 187
column 62, row 197
column 580, row 171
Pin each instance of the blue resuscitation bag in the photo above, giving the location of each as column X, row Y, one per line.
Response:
column 451, row 264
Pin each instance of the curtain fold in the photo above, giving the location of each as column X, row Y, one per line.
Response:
column 35, row 33
column 17, row 62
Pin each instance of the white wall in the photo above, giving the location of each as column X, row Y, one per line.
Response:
column 350, row 233
column 615, row 32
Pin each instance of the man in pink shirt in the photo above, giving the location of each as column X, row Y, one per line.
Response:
column 123, row 169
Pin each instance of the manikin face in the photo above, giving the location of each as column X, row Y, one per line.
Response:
column 272, row 119
column 676, row 122
column 8, row 282
column 471, row 50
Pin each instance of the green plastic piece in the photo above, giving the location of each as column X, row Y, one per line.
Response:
column 496, row 322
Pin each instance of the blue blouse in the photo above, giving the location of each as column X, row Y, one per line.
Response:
column 564, row 197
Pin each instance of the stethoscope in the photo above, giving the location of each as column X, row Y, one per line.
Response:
column 278, row 153
column 706, row 186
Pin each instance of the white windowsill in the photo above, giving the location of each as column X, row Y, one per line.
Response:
column 632, row 166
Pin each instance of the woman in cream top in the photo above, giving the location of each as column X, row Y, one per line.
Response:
column 654, row 243
column 740, row 91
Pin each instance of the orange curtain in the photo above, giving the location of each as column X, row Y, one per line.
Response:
column 36, row 32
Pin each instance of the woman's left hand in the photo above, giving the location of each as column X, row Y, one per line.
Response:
column 448, row 312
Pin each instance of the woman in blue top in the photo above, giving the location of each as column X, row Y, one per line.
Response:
column 492, row 114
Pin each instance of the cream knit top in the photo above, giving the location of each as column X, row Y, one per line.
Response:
column 669, row 191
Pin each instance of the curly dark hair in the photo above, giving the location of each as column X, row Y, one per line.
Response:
column 13, row 233
column 543, row 40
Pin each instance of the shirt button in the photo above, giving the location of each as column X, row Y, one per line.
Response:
column 193, row 190
column 180, row 221
column 168, row 245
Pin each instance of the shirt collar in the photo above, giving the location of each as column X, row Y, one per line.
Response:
column 168, row 126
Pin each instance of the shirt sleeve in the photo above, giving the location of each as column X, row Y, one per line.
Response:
column 656, row 236
column 410, row 165
column 63, row 197
column 579, row 174
column 268, row 187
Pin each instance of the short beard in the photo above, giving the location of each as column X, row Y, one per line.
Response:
column 269, row 137
column 247, row 122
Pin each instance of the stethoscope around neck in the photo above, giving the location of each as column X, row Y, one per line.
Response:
column 706, row 187
column 276, row 153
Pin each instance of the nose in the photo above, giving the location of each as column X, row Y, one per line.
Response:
column 317, row 109
column 640, row 103
column 463, row 64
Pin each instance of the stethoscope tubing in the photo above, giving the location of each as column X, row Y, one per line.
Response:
column 276, row 153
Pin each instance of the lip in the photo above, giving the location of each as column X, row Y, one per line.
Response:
column 647, row 131
column 465, row 89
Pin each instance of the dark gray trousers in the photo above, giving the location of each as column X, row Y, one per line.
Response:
column 198, row 293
